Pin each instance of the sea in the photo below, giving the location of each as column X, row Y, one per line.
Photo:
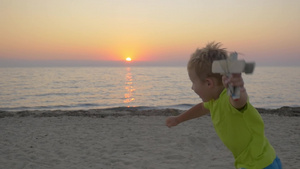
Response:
column 82, row 88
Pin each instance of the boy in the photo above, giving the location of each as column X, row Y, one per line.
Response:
column 236, row 121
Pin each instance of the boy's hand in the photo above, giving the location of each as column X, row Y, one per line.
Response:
column 235, row 80
column 172, row 121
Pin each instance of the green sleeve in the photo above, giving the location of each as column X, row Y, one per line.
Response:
column 207, row 105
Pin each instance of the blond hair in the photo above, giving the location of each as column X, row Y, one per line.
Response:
column 201, row 61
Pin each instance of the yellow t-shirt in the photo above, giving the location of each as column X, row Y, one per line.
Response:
column 242, row 131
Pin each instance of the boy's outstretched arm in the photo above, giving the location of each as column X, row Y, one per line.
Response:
column 237, row 81
column 194, row 112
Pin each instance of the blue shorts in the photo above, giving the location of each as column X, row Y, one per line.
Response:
column 275, row 165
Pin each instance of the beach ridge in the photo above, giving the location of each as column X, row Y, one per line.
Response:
column 130, row 111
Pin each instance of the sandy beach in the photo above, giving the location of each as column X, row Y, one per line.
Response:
column 124, row 138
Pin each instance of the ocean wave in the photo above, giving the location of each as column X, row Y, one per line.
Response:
column 86, row 106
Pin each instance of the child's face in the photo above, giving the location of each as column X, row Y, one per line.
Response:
column 199, row 87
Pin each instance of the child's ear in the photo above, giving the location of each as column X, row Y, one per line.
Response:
column 209, row 82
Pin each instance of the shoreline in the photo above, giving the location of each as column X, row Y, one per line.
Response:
column 130, row 111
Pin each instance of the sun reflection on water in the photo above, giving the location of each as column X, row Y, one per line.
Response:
column 129, row 97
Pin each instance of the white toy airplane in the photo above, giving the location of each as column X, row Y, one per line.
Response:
column 232, row 65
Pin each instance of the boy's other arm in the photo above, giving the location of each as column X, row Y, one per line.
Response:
column 237, row 81
column 194, row 112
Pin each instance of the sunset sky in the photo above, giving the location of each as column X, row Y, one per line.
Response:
column 160, row 31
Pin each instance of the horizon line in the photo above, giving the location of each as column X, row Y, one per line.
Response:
column 118, row 63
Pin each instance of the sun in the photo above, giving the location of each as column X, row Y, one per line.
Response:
column 128, row 59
